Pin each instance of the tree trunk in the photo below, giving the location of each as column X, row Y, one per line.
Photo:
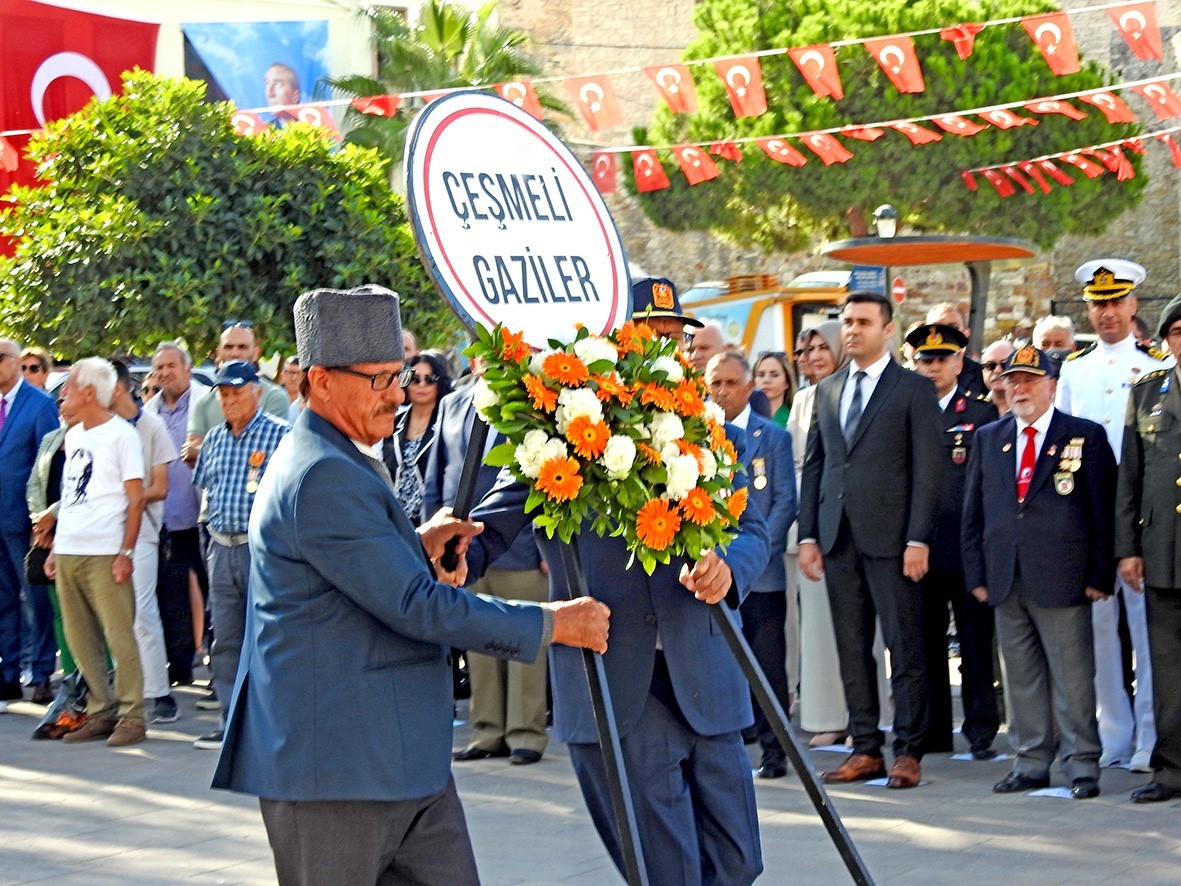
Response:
column 858, row 226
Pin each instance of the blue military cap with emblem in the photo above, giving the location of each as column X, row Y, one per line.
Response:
column 657, row 297
column 1032, row 360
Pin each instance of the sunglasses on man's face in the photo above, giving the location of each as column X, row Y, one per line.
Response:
column 990, row 366
column 32, row 367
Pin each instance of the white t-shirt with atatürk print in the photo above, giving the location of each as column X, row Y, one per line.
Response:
column 93, row 511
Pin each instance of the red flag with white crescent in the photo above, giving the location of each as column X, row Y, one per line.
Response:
column 1018, row 176
column 522, row 94
column 957, row 125
column 969, row 180
column 1003, row 186
column 378, row 105
column 603, row 171
column 317, row 115
column 1165, row 103
column 1077, row 160
column 964, row 38
column 1006, row 119
column 729, row 150
column 1174, row 149
column 818, row 64
column 1114, row 108
column 1054, row 172
column 247, row 123
column 863, row 133
column 895, row 56
column 1054, row 106
column 1137, row 23
column 649, row 173
column 675, row 85
column 1036, row 174
column 595, row 99
column 743, row 79
column 1054, row 37
column 827, row 148
column 918, row 135
column 1124, row 169
column 697, row 165
column 781, row 152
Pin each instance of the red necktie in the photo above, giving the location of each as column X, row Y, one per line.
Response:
column 1028, row 457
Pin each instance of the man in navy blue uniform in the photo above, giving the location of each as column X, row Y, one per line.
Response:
column 1038, row 548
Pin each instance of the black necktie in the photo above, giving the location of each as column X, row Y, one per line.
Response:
column 854, row 416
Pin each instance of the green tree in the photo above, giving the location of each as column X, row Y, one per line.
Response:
column 783, row 207
column 449, row 46
column 157, row 220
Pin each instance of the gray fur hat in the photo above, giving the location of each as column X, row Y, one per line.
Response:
column 340, row 327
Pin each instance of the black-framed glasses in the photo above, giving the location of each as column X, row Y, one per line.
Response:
column 4, row 356
column 32, row 367
column 432, row 379
column 992, row 366
column 379, row 381
column 230, row 324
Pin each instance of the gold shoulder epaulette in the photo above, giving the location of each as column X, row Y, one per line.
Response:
column 1154, row 353
column 1151, row 376
column 1078, row 354
column 983, row 398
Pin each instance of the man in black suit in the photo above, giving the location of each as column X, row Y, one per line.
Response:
column 870, row 482
column 939, row 355
column 1037, row 546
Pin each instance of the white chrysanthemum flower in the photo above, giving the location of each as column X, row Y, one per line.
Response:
column 484, row 399
column 668, row 452
column 671, row 366
column 592, row 350
column 619, row 456
column 536, row 449
column 665, row 427
column 573, row 402
column 682, row 476
column 538, row 359
column 709, row 465
column 714, row 411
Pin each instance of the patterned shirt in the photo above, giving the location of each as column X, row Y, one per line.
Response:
column 230, row 468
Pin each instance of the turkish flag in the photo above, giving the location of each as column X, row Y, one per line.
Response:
column 1014, row 173
column 964, row 38
column 896, row 57
column 1053, row 106
column 595, row 99
column 378, row 105
column 781, row 152
column 1124, row 169
column 729, row 150
column 10, row 157
column 55, row 61
column 1137, row 22
column 695, row 163
column 1114, row 108
column 1006, row 119
column 957, row 125
column 317, row 115
column 1003, row 186
column 863, row 133
column 676, row 87
column 522, row 94
column 827, row 148
column 1036, row 174
column 247, row 123
column 648, row 171
column 818, row 64
column 1165, row 103
column 1077, row 160
column 969, row 180
column 918, row 135
column 1055, row 38
column 1054, row 172
column 1174, row 149
column 603, row 171
column 743, row 79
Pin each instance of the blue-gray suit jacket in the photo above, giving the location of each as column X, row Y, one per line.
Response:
column 769, row 455
column 344, row 686
column 31, row 416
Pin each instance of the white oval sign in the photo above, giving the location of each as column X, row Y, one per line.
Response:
column 509, row 224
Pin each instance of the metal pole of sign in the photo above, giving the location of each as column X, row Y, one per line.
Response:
column 596, row 676
column 466, row 491
column 777, row 717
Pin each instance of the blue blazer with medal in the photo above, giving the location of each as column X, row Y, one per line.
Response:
column 1062, row 534
column 770, row 471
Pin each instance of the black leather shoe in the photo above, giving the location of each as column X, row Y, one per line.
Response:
column 43, row 693
column 524, row 756
column 982, row 750
column 1016, row 783
column 750, row 735
column 471, row 752
column 1084, row 788
column 772, row 770
column 1155, row 792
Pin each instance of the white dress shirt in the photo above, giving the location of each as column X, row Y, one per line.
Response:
column 873, row 373
column 1042, row 425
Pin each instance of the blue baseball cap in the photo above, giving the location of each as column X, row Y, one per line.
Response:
column 235, row 374
column 1032, row 360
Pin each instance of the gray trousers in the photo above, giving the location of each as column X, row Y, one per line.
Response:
column 1048, row 660
column 365, row 842
column 229, row 575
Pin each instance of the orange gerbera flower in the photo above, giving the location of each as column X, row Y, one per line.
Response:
column 630, row 337
column 589, row 438
column 717, row 434
column 694, row 450
column 608, row 386
column 543, row 398
column 736, row 503
column 657, row 523
column 650, row 455
column 515, row 348
column 698, row 507
column 565, row 369
column 658, row 396
column 688, row 399
column 559, row 478
column 728, row 448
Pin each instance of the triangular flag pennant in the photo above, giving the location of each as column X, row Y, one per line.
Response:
column 969, row 180
column 1033, row 172
column 1089, row 169
column 595, row 99
column 1054, row 172
column 818, row 64
column 522, row 94
column 728, row 150
column 1114, row 108
column 1137, row 22
column 10, row 157
column 1005, row 119
column 1174, row 149
column 378, row 105
column 1135, row 145
column 695, row 163
column 964, row 38
column 781, row 152
column 827, row 148
column 1003, row 186
column 1165, row 103
column 957, row 125
column 743, row 79
column 1124, row 169
column 895, row 56
column 603, row 171
column 863, row 133
column 1055, row 38
column 1014, row 173
column 428, row 97
column 1053, row 106
column 676, row 87
column 918, row 135
column 649, row 173
column 247, row 123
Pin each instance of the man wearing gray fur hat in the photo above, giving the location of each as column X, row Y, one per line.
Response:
column 343, row 593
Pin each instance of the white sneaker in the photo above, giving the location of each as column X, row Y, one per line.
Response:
column 1110, row 758
column 3, row 707
column 1141, row 761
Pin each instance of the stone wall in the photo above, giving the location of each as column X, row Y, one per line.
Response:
column 574, row 38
